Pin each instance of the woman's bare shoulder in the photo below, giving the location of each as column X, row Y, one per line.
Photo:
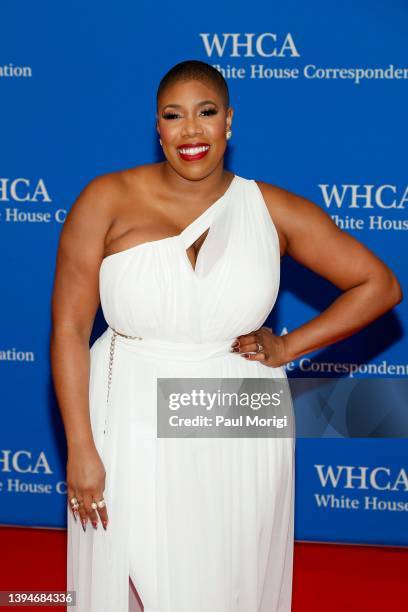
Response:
column 94, row 212
column 103, row 192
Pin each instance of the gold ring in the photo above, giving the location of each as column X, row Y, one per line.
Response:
column 99, row 504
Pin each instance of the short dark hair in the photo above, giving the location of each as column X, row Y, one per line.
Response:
column 197, row 70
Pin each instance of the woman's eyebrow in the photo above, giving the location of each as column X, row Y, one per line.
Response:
column 198, row 104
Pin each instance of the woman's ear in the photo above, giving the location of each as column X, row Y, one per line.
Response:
column 230, row 114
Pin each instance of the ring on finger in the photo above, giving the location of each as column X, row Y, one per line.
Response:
column 99, row 504
column 260, row 347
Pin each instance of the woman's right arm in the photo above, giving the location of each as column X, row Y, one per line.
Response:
column 75, row 300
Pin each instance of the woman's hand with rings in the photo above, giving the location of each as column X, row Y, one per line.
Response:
column 85, row 486
column 262, row 345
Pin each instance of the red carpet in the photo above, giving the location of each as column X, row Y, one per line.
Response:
column 327, row 577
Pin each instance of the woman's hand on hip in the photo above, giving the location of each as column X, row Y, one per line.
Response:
column 262, row 345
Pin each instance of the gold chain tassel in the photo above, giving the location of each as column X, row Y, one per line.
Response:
column 111, row 356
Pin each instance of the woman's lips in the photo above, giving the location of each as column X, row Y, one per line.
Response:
column 192, row 153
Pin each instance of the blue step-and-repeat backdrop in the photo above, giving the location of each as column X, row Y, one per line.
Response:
column 320, row 97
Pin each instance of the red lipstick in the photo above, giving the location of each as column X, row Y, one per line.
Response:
column 187, row 156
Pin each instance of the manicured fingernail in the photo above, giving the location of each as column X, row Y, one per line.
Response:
column 83, row 521
column 236, row 343
column 105, row 524
column 95, row 524
column 235, row 350
column 75, row 513
column 245, row 355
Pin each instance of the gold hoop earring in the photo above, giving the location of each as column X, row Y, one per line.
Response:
column 228, row 134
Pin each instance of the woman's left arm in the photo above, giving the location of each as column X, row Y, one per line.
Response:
column 309, row 235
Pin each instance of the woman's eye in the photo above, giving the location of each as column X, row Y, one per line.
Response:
column 207, row 112
column 210, row 111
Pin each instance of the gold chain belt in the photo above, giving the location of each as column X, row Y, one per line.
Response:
column 112, row 353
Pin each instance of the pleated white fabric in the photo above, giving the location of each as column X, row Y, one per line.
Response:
column 198, row 524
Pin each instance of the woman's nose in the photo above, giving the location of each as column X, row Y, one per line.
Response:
column 191, row 127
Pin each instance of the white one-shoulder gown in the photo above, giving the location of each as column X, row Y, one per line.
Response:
column 199, row 525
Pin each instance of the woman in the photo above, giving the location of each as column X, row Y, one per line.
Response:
column 185, row 257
